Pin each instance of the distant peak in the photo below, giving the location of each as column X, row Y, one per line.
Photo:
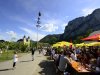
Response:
column 96, row 11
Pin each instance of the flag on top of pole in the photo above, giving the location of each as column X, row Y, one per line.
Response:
column 39, row 14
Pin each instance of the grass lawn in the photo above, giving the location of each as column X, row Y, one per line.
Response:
column 8, row 55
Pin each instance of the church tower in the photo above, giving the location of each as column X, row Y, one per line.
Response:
column 24, row 39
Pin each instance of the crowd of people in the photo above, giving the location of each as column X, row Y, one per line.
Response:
column 88, row 57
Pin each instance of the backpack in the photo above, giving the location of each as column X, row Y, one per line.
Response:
column 58, row 60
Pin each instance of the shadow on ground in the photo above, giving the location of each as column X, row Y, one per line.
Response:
column 6, row 69
column 47, row 68
column 25, row 61
column 48, row 58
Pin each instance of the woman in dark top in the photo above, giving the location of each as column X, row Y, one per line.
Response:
column 32, row 51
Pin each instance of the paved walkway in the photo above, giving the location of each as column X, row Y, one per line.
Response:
column 25, row 66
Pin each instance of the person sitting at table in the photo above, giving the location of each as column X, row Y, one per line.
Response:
column 85, row 60
column 79, row 57
column 63, row 63
column 98, row 63
column 57, row 59
column 73, row 56
column 78, row 51
column 92, row 63
column 98, row 52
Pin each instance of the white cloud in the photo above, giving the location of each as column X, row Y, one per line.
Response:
column 12, row 34
column 32, row 34
column 87, row 11
column 63, row 26
column 54, row 25
column 49, row 27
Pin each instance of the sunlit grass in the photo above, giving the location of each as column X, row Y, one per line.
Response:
column 9, row 55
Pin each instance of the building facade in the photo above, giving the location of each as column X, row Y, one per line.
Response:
column 26, row 41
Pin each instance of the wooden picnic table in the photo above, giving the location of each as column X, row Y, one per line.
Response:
column 77, row 69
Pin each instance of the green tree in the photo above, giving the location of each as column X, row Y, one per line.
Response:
column 52, row 40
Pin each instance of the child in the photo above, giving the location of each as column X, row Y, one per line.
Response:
column 15, row 59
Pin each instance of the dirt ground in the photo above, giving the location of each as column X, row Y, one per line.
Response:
column 25, row 66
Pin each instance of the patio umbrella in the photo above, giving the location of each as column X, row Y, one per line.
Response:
column 95, row 44
column 93, row 37
column 61, row 44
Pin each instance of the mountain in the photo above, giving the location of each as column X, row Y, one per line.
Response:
column 51, row 38
column 2, row 41
column 78, row 28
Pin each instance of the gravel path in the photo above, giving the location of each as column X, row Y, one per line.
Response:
column 25, row 66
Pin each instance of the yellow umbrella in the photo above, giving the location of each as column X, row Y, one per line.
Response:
column 65, row 43
column 95, row 44
column 81, row 44
column 55, row 45
column 61, row 44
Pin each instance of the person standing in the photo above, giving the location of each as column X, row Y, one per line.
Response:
column 15, row 59
column 44, row 51
column 32, row 50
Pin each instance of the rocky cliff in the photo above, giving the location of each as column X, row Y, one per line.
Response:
column 79, row 27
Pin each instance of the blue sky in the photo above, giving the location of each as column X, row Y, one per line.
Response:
column 19, row 17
